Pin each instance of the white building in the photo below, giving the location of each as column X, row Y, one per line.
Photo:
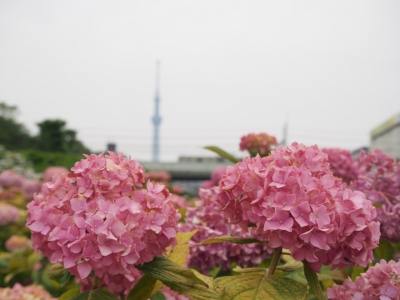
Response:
column 387, row 137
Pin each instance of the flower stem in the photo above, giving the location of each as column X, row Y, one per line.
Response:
column 96, row 281
column 274, row 262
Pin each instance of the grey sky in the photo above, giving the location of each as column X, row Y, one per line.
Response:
column 228, row 68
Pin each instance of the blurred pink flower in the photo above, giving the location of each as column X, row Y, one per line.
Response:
column 342, row 163
column 162, row 176
column 172, row 295
column 381, row 281
column 295, row 202
column 95, row 219
column 50, row 171
column 31, row 187
column 10, row 178
column 216, row 176
column 30, row 292
column 8, row 214
column 379, row 179
column 15, row 243
column 261, row 143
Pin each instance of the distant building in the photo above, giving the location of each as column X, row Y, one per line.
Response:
column 387, row 137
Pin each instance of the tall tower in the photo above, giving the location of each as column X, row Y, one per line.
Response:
column 156, row 118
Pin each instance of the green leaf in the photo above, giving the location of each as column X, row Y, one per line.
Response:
column 313, row 282
column 180, row 253
column 257, row 287
column 60, row 275
column 222, row 153
column 261, row 271
column 158, row 296
column 180, row 279
column 384, row 250
column 290, row 265
column 95, row 295
column 143, row 289
column 230, row 239
column 70, row 293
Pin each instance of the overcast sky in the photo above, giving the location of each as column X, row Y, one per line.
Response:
column 331, row 69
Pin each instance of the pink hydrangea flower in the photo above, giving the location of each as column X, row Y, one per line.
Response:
column 8, row 214
column 379, row 179
column 216, row 176
column 15, row 243
column 95, row 220
column 162, row 176
column 50, row 171
column 381, row 281
column 342, row 163
column 206, row 218
column 172, row 295
column 261, row 143
column 30, row 292
column 10, row 178
column 295, row 202
column 30, row 187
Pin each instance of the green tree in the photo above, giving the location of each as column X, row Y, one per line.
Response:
column 54, row 137
column 13, row 135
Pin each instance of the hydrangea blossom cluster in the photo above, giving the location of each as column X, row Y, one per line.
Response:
column 342, row 163
column 295, row 202
column 16, row 242
column 206, row 218
column 216, row 176
column 172, row 295
column 379, row 179
column 95, row 219
column 10, row 178
column 381, row 281
column 30, row 292
column 260, row 143
column 50, row 171
column 8, row 214
column 30, row 187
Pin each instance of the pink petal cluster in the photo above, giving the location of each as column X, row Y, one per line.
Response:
column 16, row 242
column 207, row 219
column 178, row 201
column 10, row 178
column 53, row 170
column 172, row 295
column 95, row 219
column 296, row 203
column 260, row 143
column 8, row 214
column 30, row 187
column 379, row 179
column 380, row 282
column 342, row 163
column 30, row 292
column 162, row 176
column 216, row 176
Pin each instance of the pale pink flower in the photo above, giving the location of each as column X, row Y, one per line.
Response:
column 342, row 163
column 172, row 295
column 380, row 282
column 30, row 292
column 15, row 243
column 30, row 187
column 216, row 176
column 260, row 143
column 8, row 214
column 10, row 178
column 379, row 179
column 162, row 176
column 50, row 171
column 96, row 220
column 295, row 202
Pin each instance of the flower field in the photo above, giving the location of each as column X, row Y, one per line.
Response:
column 294, row 222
